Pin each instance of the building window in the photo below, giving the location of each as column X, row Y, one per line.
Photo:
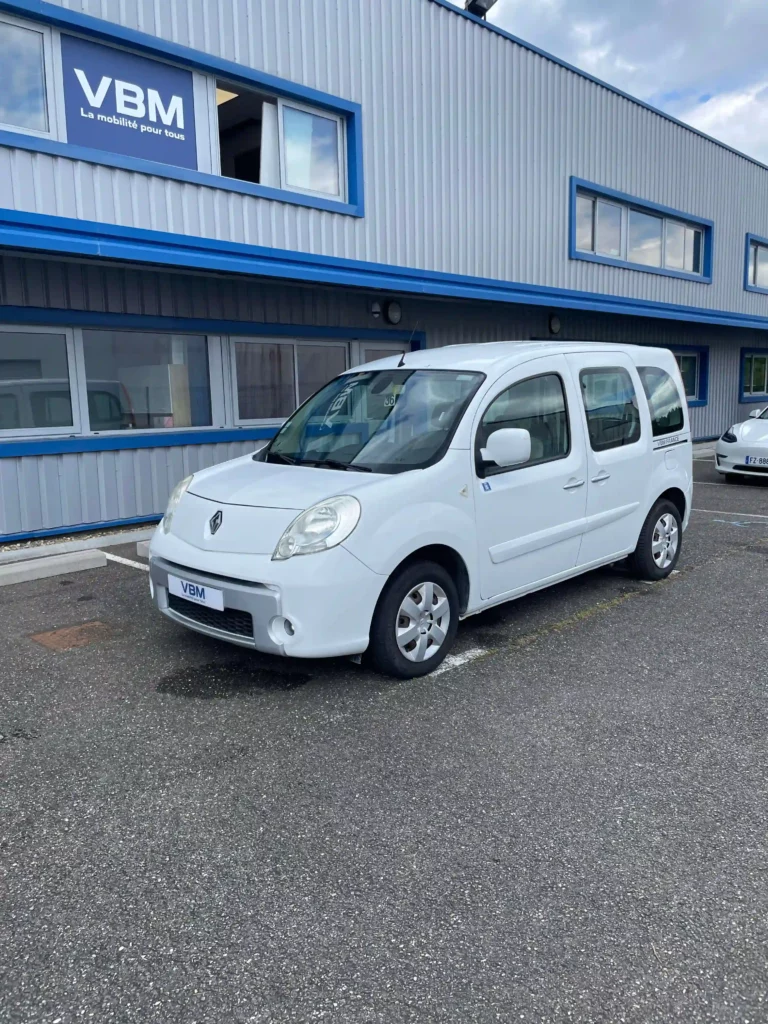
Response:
column 757, row 271
column 274, row 142
column 137, row 381
column 625, row 231
column 754, row 374
column 36, row 396
column 24, row 96
column 311, row 145
column 610, row 402
column 690, row 371
column 272, row 378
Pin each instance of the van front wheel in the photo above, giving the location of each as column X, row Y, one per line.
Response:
column 658, row 547
column 415, row 621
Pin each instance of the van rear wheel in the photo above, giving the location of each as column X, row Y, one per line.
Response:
column 658, row 547
column 415, row 622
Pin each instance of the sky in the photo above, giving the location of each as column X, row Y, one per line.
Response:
column 703, row 61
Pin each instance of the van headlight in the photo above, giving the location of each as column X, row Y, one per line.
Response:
column 321, row 527
column 177, row 494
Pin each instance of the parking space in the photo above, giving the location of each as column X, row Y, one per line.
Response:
column 568, row 822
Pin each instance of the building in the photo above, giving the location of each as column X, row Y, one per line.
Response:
column 209, row 207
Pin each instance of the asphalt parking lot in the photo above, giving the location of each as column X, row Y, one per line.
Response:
column 568, row 823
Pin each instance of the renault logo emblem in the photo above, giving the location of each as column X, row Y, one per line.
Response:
column 215, row 521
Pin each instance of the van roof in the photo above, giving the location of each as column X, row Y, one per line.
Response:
column 501, row 355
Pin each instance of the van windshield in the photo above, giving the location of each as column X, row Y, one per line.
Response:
column 379, row 421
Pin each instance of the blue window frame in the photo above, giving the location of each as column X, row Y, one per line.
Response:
column 620, row 230
column 753, row 375
column 756, row 264
column 693, row 361
column 294, row 97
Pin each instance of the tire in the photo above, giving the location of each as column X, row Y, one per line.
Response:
column 422, row 653
column 663, row 525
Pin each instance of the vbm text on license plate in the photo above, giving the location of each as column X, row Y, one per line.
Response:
column 757, row 460
column 197, row 593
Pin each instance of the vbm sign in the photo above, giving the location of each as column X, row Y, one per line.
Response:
column 123, row 103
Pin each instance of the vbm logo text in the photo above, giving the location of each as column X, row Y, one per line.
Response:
column 132, row 101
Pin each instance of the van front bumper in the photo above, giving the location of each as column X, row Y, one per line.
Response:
column 311, row 606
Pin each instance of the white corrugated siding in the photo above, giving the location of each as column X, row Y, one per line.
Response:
column 469, row 143
column 47, row 492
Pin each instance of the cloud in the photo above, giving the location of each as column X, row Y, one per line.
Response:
column 700, row 60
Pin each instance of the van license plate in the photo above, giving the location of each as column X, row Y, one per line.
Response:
column 197, row 593
column 755, row 460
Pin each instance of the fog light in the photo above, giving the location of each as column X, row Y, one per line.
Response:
column 288, row 627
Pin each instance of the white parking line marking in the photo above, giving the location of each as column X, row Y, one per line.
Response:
column 719, row 512
column 126, row 561
column 457, row 660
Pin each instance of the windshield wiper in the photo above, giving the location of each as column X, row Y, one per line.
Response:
column 283, row 458
column 335, row 464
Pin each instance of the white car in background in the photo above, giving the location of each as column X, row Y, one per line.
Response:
column 743, row 449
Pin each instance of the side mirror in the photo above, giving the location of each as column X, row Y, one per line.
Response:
column 756, row 414
column 507, row 447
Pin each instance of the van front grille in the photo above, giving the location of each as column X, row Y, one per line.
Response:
column 229, row 621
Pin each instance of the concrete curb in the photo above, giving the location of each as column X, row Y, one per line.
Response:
column 142, row 549
column 65, row 547
column 55, row 565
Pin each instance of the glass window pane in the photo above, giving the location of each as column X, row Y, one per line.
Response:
column 538, row 406
column 674, row 251
column 610, row 402
column 265, row 380
column 759, row 375
column 689, row 371
column 761, row 275
column 663, row 399
column 644, row 239
column 694, row 243
column 608, row 241
column 140, row 381
column 585, row 226
column 311, row 151
column 22, row 97
column 747, row 375
column 34, row 381
column 317, row 364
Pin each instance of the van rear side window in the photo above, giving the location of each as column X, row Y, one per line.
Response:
column 610, row 403
column 663, row 399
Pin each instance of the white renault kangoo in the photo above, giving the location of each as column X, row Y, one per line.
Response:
column 417, row 490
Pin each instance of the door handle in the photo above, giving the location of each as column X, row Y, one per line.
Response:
column 573, row 484
column 602, row 475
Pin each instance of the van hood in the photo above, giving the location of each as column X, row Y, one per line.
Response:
column 244, row 481
column 754, row 432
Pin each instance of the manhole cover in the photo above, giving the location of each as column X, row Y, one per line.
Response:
column 73, row 636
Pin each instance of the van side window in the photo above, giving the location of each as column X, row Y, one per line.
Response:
column 663, row 399
column 613, row 417
column 536, row 405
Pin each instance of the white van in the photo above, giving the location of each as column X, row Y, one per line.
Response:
column 412, row 492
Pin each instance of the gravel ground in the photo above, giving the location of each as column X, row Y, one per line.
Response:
column 572, row 827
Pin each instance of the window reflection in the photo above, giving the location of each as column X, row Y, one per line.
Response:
column 311, row 151
column 34, row 381
column 22, row 97
column 644, row 239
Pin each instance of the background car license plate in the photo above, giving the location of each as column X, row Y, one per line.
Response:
column 197, row 593
column 757, row 460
